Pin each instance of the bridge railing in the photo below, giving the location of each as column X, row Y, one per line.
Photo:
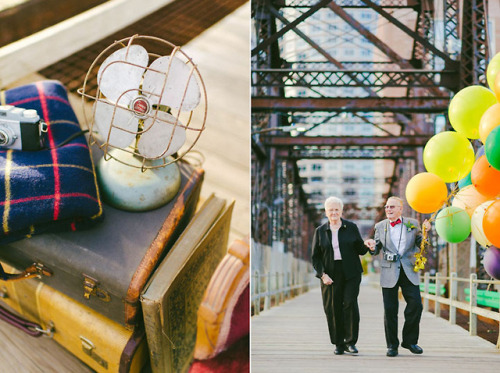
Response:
column 429, row 291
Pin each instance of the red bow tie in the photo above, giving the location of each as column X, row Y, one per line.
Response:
column 394, row 223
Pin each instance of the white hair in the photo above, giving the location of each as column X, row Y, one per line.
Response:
column 331, row 200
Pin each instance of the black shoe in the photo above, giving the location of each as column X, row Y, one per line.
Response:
column 415, row 349
column 391, row 352
column 339, row 350
column 352, row 349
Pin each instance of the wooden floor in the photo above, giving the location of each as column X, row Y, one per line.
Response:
column 294, row 338
column 222, row 56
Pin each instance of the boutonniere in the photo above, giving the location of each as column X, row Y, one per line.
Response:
column 409, row 226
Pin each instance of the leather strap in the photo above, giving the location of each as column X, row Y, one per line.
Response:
column 34, row 270
column 30, row 328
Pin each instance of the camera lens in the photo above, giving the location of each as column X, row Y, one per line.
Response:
column 4, row 138
column 7, row 136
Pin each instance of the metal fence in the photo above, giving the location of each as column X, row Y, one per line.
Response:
column 452, row 298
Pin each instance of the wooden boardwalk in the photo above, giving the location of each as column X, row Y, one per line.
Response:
column 293, row 337
column 222, row 54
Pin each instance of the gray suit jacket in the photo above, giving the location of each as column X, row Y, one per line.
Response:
column 389, row 271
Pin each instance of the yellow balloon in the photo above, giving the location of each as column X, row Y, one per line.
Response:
column 449, row 155
column 493, row 70
column 467, row 107
column 468, row 199
column 426, row 192
column 477, row 224
column 489, row 120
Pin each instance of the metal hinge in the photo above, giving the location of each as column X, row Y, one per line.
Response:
column 89, row 348
column 90, row 288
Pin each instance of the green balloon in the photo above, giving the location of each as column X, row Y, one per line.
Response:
column 462, row 183
column 492, row 148
column 449, row 155
column 453, row 224
column 467, row 107
column 492, row 70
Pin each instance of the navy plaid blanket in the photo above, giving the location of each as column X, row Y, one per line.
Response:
column 52, row 189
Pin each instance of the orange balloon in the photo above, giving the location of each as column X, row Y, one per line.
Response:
column 468, row 199
column 426, row 192
column 491, row 222
column 485, row 178
column 489, row 120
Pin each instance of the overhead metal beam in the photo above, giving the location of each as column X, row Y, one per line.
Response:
column 332, row 141
column 356, row 104
column 338, row 153
column 264, row 44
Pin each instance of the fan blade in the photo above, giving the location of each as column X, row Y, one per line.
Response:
column 119, row 74
column 107, row 115
column 156, row 140
column 178, row 77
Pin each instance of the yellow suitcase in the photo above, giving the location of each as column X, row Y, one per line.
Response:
column 99, row 342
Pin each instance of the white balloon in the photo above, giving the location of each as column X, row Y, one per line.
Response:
column 477, row 224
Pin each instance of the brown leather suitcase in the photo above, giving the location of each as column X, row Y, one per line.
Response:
column 106, row 267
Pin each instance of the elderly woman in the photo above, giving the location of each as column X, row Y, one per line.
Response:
column 336, row 247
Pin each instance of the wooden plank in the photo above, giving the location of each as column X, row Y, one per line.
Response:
column 39, row 50
column 294, row 338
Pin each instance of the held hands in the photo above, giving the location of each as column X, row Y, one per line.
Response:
column 370, row 244
column 326, row 279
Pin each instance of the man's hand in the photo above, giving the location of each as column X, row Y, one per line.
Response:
column 370, row 244
column 326, row 279
column 427, row 225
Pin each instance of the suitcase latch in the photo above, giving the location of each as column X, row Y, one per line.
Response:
column 90, row 287
column 89, row 348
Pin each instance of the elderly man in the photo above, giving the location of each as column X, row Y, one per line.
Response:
column 336, row 247
column 399, row 239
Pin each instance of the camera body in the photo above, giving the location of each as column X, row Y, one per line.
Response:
column 391, row 257
column 21, row 129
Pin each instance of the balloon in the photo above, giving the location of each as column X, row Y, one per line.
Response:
column 491, row 262
column 468, row 199
column 489, row 120
column 492, row 148
column 491, row 221
column 462, row 183
column 496, row 87
column 426, row 192
column 453, row 224
column 476, row 225
column 467, row 107
column 493, row 70
column 449, row 155
column 485, row 178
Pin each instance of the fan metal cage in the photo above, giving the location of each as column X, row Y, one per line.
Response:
column 143, row 105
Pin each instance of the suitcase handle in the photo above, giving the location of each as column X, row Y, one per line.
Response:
column 30, row 328
column 34, row 270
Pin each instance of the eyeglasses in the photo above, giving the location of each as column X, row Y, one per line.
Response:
column 390, row 207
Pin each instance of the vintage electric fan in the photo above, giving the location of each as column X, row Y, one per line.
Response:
column 142, row 119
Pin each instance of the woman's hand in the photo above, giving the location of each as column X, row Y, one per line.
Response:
column 326, row 279
column 370, row 244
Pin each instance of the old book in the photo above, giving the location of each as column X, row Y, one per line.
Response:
column 99, row 342
column 172, row 297
column 223, row 316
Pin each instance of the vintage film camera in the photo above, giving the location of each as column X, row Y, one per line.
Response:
column 390, row 257
column 21, row 129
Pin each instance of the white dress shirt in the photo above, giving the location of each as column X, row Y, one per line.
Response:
column 335, row 244
column 398, row 236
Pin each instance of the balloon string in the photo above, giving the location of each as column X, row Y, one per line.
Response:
column 420, row 256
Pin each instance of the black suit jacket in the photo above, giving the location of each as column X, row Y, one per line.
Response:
column 350, row 244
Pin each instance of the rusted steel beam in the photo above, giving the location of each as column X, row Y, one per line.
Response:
column 357, row 104
column 346, row 153
column 332, row 141
column 264, row 44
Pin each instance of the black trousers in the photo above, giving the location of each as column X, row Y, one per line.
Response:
column 340, row 302
column 412, row 313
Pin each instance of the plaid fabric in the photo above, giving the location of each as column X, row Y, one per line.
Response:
column 52, row 189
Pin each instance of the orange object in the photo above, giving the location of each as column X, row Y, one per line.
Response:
column 426, row 192
column 468, row 199
column 489, row 120
column 491, row 222
column 485, row 178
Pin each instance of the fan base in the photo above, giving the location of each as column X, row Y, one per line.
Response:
column 128, row 188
